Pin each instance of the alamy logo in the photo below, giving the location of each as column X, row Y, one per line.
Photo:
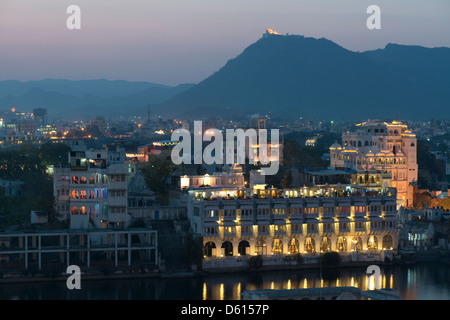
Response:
column 375, row 277
column 239, row 144
column 74, row 280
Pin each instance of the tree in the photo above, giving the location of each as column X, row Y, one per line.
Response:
column 193, row 249
column 286, row 182
column 54, row 153
column 255, row 263
column 156, row 174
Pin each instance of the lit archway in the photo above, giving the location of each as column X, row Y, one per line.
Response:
column 228, row 248
column 242, row 248
column 208, row 248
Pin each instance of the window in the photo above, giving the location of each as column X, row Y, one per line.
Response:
column 229, row 213
column 310, row 245
column 74, row 210
column 372, row 243
column 74, row 180
column 83, row 180
column 75, row 194
column 326, row 245
column 228, row 248
column 209, row 213
column 277, row 246
column 247, row 230
column 341, row 244
column 360, row 226
column 356, row 244
column 328, row 211
column 360, row 209
column 328, row 227
column 344, row 227
column 279, row 228
column 311, row 228
column 211, row 231
column 208, row 249
column 229, row 231
column 278, row 211
column 296, row 228
column 312, row 211
column 261, row 247
column 263, row 230
column 293, row 246
column 387, row 242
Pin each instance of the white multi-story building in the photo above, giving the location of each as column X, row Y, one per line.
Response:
column 92, row 191
column 309, row 220
column 384, row 147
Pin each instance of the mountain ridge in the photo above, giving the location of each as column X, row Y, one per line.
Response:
column 305, row 76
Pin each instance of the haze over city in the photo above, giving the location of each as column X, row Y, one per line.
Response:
column 176, row 41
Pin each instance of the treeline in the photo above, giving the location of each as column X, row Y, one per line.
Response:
column 28, row 163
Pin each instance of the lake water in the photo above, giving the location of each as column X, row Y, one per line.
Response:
column 424, row 281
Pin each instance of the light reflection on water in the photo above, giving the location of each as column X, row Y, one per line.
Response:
column 422, row 281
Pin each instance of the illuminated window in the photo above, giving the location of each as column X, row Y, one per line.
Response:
column 293, row 246
column 279, row 228
column 74, row 210
column 356, row 244
column 310, row 245
column 277, row 246
column 261, row 247
column 387, row 242
column 326, row 244
column 75, row 194
column 372, row 243
column 341, row 244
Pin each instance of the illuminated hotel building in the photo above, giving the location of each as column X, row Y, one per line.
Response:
column 92, row 191
column 237, row 222
column 384, row 147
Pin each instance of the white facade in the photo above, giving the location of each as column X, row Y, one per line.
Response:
column 385, row 147
column 92, row 192
column 285, row 222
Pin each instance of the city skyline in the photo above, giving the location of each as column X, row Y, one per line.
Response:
column 172, row 42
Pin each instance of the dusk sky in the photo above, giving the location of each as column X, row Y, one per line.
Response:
column 181, row 41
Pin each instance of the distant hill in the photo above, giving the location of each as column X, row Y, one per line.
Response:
column 84, row 98
column 293, row 76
